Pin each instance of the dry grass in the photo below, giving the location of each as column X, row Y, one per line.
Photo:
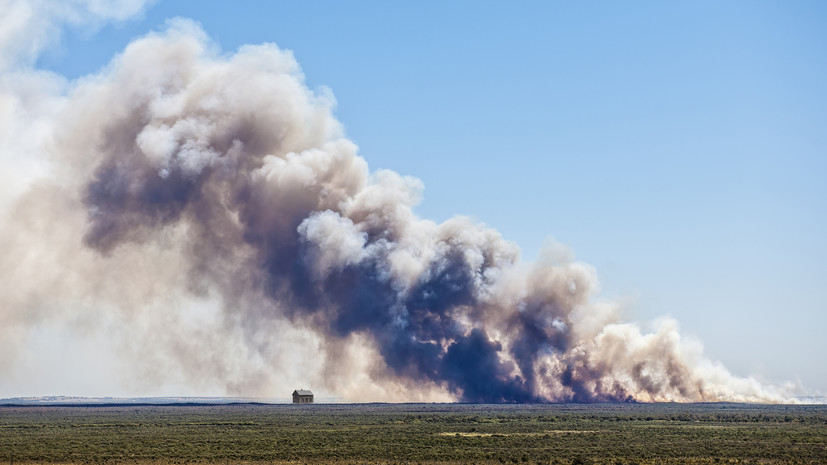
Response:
column 421, row 434
column 537, row 433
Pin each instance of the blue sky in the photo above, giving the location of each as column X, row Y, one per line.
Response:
column 680, row 148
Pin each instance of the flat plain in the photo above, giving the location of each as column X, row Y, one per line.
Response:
column 414, row 433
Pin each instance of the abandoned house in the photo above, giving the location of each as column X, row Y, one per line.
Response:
column 301, row 396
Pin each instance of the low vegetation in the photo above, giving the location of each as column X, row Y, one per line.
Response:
column 415, row 434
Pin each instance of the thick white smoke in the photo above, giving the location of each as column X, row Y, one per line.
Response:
column 209, row 211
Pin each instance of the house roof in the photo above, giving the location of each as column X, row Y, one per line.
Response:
column 302, row 392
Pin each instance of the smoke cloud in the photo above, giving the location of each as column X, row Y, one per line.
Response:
column 29, row 26
column 208, row 210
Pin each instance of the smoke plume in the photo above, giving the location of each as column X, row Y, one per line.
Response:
column 209, row 211
column 29, row 26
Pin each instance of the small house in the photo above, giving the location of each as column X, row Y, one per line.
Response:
column 302, row 396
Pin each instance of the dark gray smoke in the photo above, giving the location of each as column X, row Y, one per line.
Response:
column 212, row 207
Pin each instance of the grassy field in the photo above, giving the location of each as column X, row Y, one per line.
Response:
column 415, row 433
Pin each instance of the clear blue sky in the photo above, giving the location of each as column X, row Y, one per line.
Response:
column 680, row 148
